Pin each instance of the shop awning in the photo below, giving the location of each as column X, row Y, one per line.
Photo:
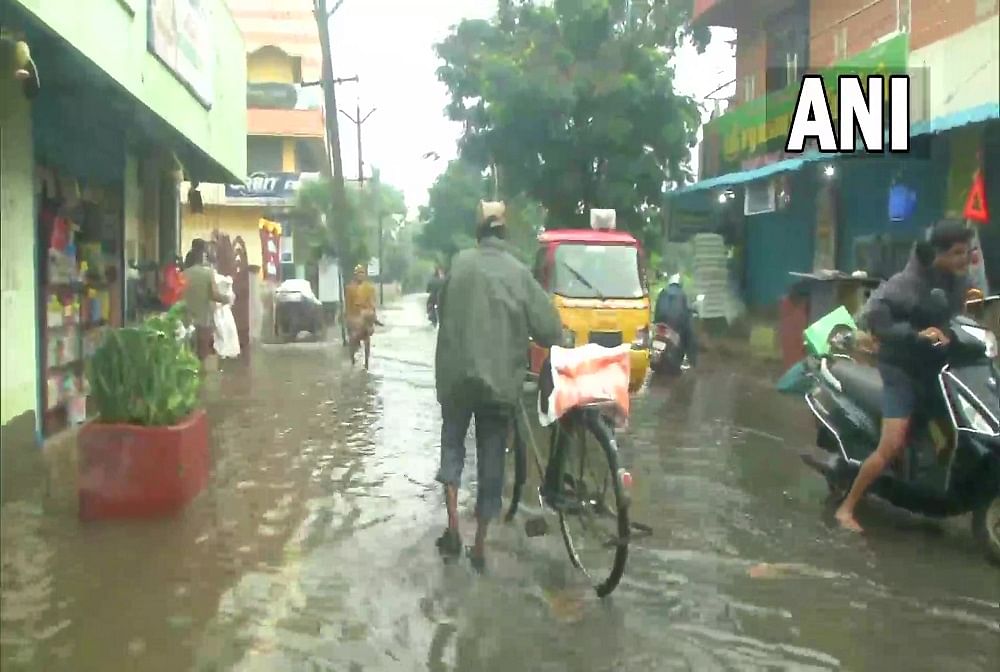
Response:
column 974, row 115
column 732, row 179
column 78, row 87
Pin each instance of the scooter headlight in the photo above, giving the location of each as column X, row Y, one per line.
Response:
column 987, row 337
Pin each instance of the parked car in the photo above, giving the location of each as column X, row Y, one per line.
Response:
column 297, row 310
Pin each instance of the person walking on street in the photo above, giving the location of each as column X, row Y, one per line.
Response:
column 200, row 297
column 490, row 304
column 359, row 311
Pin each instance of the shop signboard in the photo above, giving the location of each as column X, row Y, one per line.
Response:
column 268, row 185
column 739, row 138
column 180, row 35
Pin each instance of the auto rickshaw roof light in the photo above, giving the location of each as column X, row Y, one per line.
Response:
column 603, row 219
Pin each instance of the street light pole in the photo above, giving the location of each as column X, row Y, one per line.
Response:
column 381, row 269
column 333, row 167
column 358, row 121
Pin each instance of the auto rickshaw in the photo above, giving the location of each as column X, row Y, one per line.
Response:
column 597, row 281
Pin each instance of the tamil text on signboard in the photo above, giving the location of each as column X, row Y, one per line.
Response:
column 757, row 130
column 180, row 35
column 269, row 185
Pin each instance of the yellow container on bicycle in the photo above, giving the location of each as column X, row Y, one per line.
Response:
column 597, row 281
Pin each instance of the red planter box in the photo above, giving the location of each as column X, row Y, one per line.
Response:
column 130, row 471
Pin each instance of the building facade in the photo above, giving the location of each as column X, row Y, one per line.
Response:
column 285, row 139
column 119, row 102
column 805, row 213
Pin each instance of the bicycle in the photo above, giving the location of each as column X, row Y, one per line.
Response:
column 576, row 494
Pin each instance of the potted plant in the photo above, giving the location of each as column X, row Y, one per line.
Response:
column 146, row 453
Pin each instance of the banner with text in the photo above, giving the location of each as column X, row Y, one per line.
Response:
column 180, row 35
column 754, row 133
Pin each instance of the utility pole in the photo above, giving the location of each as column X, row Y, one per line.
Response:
column 357, row 120
column 334, row 165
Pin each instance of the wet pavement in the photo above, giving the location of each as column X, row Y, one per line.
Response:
column 313, row 548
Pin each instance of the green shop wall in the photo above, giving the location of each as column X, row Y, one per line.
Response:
column 18, row 356
column 113, row 34
column 760, row 126
column 780, row 242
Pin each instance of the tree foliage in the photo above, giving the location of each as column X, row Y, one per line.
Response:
column 360, row 216
column 449, row 218
column 573, row 102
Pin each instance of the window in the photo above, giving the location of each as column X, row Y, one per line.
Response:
column 597, row 271
column 263, row 154
column 840, row 44
column 758, row 198
column 308, row 155
column 791, row 68
column 749, row 86
column 903, row 16
column 787, row 46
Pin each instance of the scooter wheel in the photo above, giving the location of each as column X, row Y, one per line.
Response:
column 986, row 529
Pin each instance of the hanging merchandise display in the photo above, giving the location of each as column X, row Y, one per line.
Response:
column 976, row 207
column 977, row 266
column 77, row 279
column 902, row 202
column 270, row 242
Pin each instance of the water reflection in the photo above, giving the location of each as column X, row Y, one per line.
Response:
column 313, row 547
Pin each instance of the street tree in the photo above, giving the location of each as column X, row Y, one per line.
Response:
column 357, row 221
column 573, row 104
column 449, row 218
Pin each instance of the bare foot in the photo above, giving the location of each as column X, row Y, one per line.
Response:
column 847, row 521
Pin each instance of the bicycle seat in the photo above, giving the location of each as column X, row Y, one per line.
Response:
column 861, row 383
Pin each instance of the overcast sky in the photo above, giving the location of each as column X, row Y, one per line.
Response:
column 389, row 45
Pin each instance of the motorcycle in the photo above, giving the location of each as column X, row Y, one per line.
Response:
column 952, row 463
column 432, row 313
column 666, row 348
column 666, row 353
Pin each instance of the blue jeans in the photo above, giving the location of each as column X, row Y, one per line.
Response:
column 492, row 431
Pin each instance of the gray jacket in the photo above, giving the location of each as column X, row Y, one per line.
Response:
column 490, row 304
column 899, row 310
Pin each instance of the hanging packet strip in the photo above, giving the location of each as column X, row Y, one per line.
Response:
column 902, row 202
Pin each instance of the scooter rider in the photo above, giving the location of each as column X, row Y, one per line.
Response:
column 434, row 293
column 673, row 310
column 897, row 316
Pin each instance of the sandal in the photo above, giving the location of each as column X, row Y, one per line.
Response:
column 478, row 562
column 449, row 544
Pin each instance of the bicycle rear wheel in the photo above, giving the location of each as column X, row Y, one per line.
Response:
column 595, row 525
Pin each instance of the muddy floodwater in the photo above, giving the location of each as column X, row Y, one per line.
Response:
column 313, row 547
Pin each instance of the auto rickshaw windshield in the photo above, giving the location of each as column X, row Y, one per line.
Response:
column 594, row 271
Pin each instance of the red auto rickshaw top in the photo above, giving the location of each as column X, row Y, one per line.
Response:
column 587, row 236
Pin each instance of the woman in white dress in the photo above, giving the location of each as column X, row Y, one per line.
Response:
column 227, row 338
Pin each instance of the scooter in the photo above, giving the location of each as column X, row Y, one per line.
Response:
column 432, row 313
column 952, row 462
column 666, row 353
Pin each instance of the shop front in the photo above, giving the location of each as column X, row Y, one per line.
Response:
column 100, row 200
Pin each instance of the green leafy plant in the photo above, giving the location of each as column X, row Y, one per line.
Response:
column 147, row 374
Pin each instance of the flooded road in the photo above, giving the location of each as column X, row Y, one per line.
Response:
column 313, row 548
